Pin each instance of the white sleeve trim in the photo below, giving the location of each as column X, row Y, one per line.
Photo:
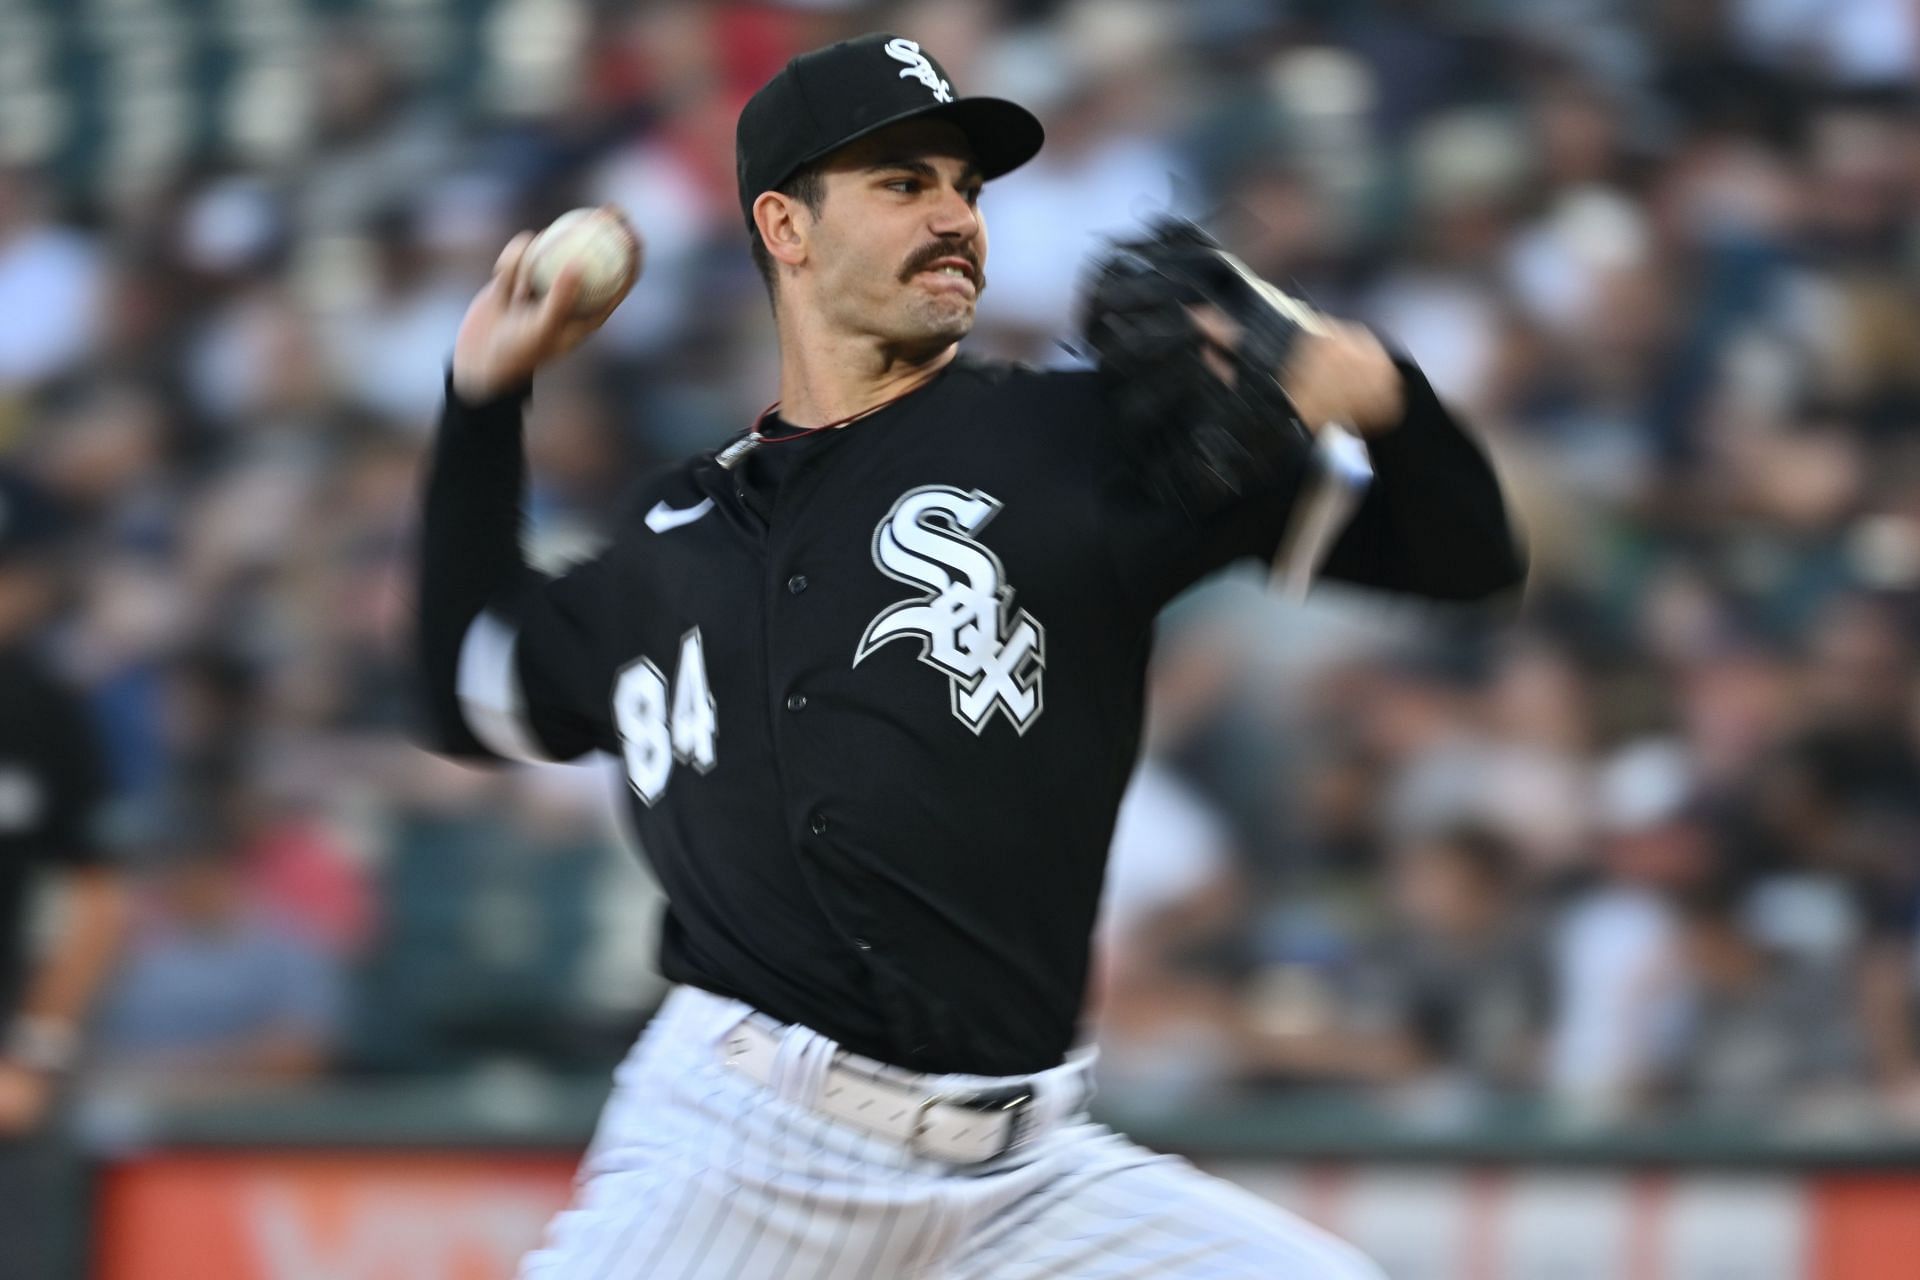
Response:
column 488, row 686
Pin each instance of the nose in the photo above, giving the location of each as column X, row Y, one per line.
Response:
column 953, row 217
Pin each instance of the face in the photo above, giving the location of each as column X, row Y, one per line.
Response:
column 899, row 248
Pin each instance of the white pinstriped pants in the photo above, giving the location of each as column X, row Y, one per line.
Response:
column 697, row 1172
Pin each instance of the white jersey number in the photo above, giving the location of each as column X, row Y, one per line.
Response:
column 640, row 711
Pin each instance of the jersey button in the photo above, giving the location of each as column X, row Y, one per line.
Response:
column 863, row 944
column 796, row 702
column 797, row 583
column 818, row 824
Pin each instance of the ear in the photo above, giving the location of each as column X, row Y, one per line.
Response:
column 783, row 223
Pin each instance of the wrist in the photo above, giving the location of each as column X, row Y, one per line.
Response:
column 471, row 392
column 41, row 1043
column 1391, row 413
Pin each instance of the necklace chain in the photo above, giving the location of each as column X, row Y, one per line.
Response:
column 739, row 449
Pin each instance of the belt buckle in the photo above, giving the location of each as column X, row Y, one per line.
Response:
column 1015, row 1102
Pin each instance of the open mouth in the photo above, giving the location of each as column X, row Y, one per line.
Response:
column 950, row 273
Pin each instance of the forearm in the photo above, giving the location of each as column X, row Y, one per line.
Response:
column 1434, row 522
column 62, row 986
column 469, row 554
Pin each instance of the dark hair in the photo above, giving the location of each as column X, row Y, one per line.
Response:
column 808, row 186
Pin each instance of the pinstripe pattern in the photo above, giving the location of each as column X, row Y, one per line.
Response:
column 923, row 1234
column 719, row 1203
column 878, row 1249
column 737, row 1270
column 665, row 1228
column 1004, row 1237
column 699, row 1173
column 807, row 1189
column 829, row 1267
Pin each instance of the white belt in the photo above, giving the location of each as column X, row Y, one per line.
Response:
column 963, row 1128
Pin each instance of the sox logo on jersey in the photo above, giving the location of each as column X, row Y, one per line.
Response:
column 992, row 656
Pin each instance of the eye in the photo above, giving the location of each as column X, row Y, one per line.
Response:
column 973, row 195
column 909, row 185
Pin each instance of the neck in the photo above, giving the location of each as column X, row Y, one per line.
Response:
column 827, row 377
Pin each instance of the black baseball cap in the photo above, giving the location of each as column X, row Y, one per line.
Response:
column 822, row 100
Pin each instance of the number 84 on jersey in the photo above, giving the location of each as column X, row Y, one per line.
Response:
column 657, row 729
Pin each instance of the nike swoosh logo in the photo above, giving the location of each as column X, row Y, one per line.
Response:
column 664, row 517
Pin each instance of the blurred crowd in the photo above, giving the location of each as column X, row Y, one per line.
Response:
column 1650, row 851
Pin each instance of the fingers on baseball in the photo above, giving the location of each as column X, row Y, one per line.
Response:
column 557, row 307
column 592, row 320
column 566, row 329
column 509, row 260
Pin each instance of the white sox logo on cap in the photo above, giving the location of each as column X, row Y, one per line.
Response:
column 904, row 50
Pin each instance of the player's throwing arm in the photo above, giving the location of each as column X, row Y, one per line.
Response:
column 547, row 294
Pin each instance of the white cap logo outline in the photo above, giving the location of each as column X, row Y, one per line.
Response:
column 901, row 49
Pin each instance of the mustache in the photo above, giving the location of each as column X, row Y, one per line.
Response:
column 926, row 257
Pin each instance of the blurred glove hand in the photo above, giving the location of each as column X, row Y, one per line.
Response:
column 1192, row 344
column 508, row 333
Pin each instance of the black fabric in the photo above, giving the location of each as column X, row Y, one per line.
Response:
column 51, row 784
column 902, row 854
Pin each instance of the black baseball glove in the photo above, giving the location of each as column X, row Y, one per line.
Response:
column 1195, row 439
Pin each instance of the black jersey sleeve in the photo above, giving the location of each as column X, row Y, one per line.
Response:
column 511, row 660
column 1433, row 523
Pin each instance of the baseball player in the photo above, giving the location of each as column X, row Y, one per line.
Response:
column 875, row 672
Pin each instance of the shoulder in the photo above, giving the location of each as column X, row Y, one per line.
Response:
column 674, row 483
column 1016, row 376
column 1058, row 393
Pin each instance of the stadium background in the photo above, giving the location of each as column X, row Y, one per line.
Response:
column 1580, row 948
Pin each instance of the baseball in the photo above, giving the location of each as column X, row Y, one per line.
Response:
column 594, row 240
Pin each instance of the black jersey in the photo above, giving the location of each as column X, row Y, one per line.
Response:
column 878, row 696
column 51, row 785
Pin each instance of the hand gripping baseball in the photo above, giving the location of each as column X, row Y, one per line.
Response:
column 509, row 332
